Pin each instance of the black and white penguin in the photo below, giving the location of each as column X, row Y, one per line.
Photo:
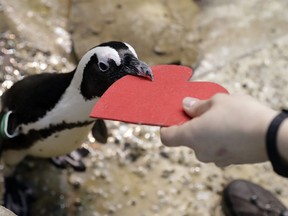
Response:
column 47, row 115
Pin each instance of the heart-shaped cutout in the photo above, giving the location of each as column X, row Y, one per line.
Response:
column 141, row 101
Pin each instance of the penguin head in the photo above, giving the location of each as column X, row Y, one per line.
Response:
column 106, row 63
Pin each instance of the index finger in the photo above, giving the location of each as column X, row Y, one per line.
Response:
column 176, row 135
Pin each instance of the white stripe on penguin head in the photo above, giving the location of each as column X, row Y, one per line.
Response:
column 131, row 49
column 103, row 54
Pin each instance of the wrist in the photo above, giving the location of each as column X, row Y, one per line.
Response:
column 261, row 131
column 282, row 141
column 276, row 138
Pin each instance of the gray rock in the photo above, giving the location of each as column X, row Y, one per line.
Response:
column 5, row 212
column 42, row 23
column 157, row 29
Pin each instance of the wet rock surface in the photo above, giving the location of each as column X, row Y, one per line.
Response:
column 133, row 174
column 209, row 34
column 43, row 23
column 231, row 30
column 5, row 212
column 157, row 29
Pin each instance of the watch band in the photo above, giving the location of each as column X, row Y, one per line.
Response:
column 278, row 164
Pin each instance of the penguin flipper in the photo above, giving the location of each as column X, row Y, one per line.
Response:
column 8, row 125
column 1, row 138
column 100, row 131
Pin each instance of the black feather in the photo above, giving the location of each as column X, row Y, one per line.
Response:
column 100, row 131
column 32, row 97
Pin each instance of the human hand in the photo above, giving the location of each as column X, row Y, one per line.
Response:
column 226, row 129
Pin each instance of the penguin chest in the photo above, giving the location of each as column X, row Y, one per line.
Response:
column 64, row 128
column 60, row 143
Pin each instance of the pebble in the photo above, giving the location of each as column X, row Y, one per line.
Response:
column 125, row 190
column 76, row 179
column 77, row 202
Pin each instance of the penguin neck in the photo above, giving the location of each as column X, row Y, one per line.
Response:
column 86, row 86
column 77, row 79
column 87, row 83
column 74, row 99
column 80, row 79
column 79, row 70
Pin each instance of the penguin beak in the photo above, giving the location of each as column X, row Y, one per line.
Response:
column 139, row 68
column 144, row 70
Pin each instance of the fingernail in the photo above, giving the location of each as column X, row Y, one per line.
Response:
column 189, row 102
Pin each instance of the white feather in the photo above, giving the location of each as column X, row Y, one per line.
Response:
column 103, row 54
column 60, row 143
column 71, row 108
column 131, row 49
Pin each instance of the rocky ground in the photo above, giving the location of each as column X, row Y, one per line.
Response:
column 241, row 45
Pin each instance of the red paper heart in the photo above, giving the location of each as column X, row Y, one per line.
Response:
column 159, row 102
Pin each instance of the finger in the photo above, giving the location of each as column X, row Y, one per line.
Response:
column 225, row 161
column 221, row 164
column 167, row 136
column 175, row 135
column 194, row 107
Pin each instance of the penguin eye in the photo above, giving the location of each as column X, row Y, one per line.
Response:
column 102, row 66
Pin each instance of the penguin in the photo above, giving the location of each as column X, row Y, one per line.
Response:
column 47, row 115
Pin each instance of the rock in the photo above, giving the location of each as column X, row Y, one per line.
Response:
column 3, row 22
column 231, row 30
column 42, row 23
column 156, row 29
column 5, row 212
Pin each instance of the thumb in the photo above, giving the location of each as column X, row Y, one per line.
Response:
column 195, row 107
